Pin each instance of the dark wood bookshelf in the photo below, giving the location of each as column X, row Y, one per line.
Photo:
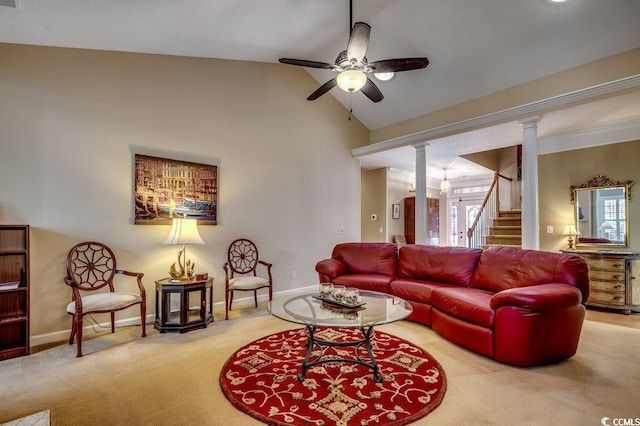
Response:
column 14, row 300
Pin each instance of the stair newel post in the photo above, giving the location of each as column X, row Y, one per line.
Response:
column 497, row 179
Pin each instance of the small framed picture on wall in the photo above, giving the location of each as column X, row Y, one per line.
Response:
column 395, row 211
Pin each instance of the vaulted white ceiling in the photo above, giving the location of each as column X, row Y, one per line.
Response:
column 475, row 47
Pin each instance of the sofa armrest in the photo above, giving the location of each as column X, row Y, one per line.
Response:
column 543, row 297
column 331, row 268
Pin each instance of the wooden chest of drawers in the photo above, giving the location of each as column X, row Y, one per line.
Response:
column 614, row 279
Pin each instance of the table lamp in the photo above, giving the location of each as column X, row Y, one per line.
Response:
column 183, row 231
column 570, row 230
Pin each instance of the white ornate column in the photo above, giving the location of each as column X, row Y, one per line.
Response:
column 530, row 208
column 421, row 194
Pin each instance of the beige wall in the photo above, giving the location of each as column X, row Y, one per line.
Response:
column 71, row 120
column 558, row 172
column 396, row 193
column 379, row 193
column 374, row 201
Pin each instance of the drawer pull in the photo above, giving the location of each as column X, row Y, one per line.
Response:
column 617, row 298
column 615, row 265
column 615, row 277
column 617, row 287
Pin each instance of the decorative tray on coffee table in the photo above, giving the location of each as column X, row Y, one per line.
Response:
column 332, row 302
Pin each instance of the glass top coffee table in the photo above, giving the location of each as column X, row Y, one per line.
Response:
column 307, row 309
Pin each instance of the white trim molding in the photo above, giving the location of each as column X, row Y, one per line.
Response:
column 605, row 134
column 515, row 113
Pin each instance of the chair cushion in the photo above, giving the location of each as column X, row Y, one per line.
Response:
column 105, row 302
column 247, row 283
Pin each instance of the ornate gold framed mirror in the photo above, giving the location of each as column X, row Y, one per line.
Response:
column 601, row 211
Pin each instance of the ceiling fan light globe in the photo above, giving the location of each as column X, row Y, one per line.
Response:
column 384, row 76
column 351, row 80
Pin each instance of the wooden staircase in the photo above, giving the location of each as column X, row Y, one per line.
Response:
column 506, row 230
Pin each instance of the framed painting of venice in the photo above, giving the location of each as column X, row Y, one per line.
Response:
column 165, row 189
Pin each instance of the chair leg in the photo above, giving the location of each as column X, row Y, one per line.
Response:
column 255, row 298
column 78, row 326
column 113, row 322
column 270, row 293
column 73, row 329
column 143, row 318
column 226, row 305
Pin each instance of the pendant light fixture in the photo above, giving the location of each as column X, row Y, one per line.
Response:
column 445, row 185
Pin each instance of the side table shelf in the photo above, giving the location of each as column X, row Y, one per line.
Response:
column 182, row 305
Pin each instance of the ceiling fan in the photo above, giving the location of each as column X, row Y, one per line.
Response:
column 353, row 66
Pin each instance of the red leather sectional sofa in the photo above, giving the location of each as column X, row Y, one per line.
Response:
column 519, row 307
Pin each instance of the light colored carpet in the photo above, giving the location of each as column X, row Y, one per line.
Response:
column 172, row 379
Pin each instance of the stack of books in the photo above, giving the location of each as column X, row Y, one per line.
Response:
column 9, row 285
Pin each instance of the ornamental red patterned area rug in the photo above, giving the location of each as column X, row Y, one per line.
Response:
column 261, row 379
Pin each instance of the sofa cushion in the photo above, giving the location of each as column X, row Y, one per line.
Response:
column 368, row 258
column 502, row 268
column 451, row 265
column 374, row 282
column 474, row 337
column 414, row 290
column 469, row 304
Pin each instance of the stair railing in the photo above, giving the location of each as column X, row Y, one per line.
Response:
column 477, row 234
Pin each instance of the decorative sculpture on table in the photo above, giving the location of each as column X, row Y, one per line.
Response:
column 183, row 231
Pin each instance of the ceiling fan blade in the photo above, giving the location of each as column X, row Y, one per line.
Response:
column 308, row 64
column 371, row 91
column 397, row 65
column 323, row 89
column 358, row 41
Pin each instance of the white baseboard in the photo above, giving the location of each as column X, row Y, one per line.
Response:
column 63, row 335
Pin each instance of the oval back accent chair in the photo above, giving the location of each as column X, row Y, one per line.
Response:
column 240, row 272
column 91, row 266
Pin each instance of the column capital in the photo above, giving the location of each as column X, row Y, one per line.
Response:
column 421, row 146
column 529, row 121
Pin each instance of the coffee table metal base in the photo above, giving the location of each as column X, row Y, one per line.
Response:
column 367, row 332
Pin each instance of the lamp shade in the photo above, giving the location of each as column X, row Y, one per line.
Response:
column 184, row 231
column 570, row 230
column 606, row 226
column 351, row 80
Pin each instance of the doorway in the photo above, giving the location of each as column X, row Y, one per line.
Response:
column 462, row 215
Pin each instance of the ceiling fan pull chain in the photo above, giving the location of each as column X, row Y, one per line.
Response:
column 350, row 108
